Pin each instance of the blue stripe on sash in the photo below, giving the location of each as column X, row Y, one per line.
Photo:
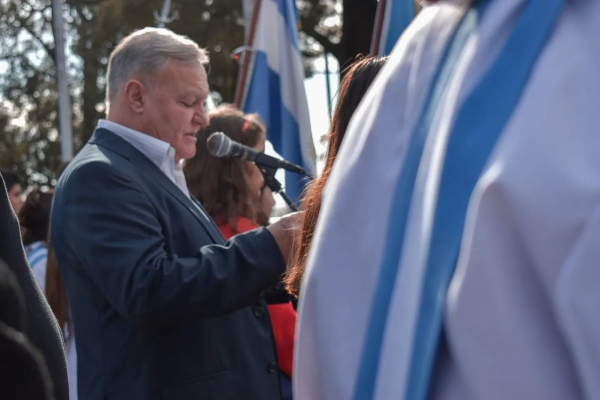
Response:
column 365, row 384
column 478, row 125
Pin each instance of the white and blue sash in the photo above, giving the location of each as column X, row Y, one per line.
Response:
column 415, row 265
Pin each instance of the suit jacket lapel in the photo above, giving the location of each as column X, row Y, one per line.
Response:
column 146, row 167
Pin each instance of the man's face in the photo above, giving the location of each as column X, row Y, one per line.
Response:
column 15, row 196
column 173, row 108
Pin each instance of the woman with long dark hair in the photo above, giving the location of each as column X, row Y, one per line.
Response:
column 230, row 189
column 357, row 79
column 234, row 194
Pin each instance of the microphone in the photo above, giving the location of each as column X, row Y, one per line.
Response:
column 220, row 145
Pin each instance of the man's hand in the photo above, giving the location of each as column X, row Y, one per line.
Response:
column 286, row 232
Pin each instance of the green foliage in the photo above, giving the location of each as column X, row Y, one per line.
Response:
column 29, row 141
column 340, row 27
column 27, row 90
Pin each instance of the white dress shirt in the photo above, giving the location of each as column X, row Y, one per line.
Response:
column 159, row 152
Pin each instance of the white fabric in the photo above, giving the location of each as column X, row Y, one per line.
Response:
column 161, row 153
column 522, row 317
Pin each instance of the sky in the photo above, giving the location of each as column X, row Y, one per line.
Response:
column 316, row 94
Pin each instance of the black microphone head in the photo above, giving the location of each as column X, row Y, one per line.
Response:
column 218, row 144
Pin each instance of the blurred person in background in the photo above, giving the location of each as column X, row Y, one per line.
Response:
column 14, row 188
column 357, row 79
column 34, row 219
column 235, row 195
column 234, row 188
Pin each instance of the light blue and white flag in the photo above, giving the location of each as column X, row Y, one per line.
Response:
column 275, row 88
column 457, row 243
column 393, row 17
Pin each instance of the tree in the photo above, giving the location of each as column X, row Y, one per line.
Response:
column 28, row 90
column 28, row 102
column 27, row 72
column 342, row 28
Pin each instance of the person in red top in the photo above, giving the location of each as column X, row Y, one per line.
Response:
column 234, row 193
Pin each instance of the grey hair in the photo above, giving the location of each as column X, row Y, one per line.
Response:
column 145, row 53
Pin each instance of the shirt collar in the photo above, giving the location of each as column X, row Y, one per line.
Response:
column 156, row 150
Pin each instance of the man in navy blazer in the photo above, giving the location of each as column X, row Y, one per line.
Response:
column 163, row 307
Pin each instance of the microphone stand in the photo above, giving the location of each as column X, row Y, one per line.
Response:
column 275, row 185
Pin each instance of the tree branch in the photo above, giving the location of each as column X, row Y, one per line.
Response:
column 309, row 22
column 8, row 57
column 50, row 50
column 83, row 2
column 322, row 40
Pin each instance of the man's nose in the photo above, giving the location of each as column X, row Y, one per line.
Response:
column 201, row 118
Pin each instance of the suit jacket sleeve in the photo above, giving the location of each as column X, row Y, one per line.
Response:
column 114, row 230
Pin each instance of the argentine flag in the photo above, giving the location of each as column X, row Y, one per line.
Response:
column 393, row 16
column 275, row 88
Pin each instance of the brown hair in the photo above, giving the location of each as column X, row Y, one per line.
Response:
column 55, row 286
column 357, row 79
column 55, row 290
column 221, row 184
column 34, row 216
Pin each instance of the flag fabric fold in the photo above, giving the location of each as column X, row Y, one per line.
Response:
column 393, row 17
column 275, row 88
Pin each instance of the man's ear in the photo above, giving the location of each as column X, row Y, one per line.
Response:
column 135, row 93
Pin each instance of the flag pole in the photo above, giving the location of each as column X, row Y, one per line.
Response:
column 378, row 27
column 64, row 103
column 328, row 84
column 164, row 18
column 164, row 14
column 246, row 58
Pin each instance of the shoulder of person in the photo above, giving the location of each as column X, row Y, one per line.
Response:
column 92, row 169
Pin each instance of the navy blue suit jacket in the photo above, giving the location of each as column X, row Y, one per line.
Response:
column 163, row 307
